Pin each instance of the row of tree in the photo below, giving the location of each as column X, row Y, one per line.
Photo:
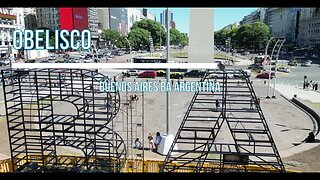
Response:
column 140, row 34
column 248, row 36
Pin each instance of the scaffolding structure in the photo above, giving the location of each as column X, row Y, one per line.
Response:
column 38, row 125
column 225, row 129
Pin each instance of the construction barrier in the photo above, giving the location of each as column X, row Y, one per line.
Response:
column 147, row 166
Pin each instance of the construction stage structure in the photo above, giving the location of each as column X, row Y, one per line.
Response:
column 38, row 125
column 224, row 130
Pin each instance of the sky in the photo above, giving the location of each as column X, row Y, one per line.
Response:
column 222, row 16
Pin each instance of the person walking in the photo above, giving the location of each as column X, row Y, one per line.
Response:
column 151, row 142
column 217, row 104
column 157, row 141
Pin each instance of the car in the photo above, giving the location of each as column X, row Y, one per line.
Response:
column 44, row 61
column 132, row 72
column 52, row 57
column 4, row 63
column 306, row 64
column 265, row 75
column 220, row 75
column 30, row 61
column 176, row 75
column 255, row 67
column 292, row 63
column 284, row 69
column 147, row 74
column 87, row 60
column 239, row 74
column 161, row 73
column 194, row 73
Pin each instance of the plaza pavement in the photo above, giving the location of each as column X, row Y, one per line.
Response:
column 288, row 124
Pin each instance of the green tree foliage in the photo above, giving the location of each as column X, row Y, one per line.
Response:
column 122, row 42
column 175, row 37
column 247, row 36
column 155, row 28
column 139, row 38
column 184, row 40
column 110, row 35
column 221, row 36
column 250, row 36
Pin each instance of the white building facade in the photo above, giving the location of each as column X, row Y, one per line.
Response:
column 134, row 15
column 10, row 19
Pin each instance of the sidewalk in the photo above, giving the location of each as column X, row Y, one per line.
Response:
column 290, row 90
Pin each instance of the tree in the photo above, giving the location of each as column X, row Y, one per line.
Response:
column 261, row 33
column 221, row 36
column 184, row 40
column 155, row 28
column 110, row 35
column 139, row 38
column 251, row 36
column 122, row 42
column 175, row 37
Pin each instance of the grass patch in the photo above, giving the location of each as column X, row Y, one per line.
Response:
column 316, row 105
column 185, row 54
column 222, row 56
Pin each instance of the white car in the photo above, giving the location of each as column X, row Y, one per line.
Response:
column 133, row 72
column 219, row 75
column 52, row 57
column 87, row 60
column 306, row 64
column 284, row 69
column 247, row 72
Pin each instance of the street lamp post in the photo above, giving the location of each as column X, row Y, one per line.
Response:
column 168, row 75
column 275, row 73
column 266, row 53
column 129, row 48
column 228, row 40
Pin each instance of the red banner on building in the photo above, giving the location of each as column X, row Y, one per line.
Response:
column 74, row 18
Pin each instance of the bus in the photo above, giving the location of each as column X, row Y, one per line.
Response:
column 149, row 60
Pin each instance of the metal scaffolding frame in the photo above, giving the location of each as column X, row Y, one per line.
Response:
column 225, row 128
column 36, row 126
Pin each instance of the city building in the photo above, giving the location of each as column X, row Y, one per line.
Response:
column 257, row 15
column 283, row 23
column 134, row 15
column 93, row 23
column 10, row 19
column 172, row 24
column 48, row 18
column 163, row 16
column 103, row 19
column 30, row 18
column 309, row 27
column 148, row 15
column 119, row 20
column 231, row 26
